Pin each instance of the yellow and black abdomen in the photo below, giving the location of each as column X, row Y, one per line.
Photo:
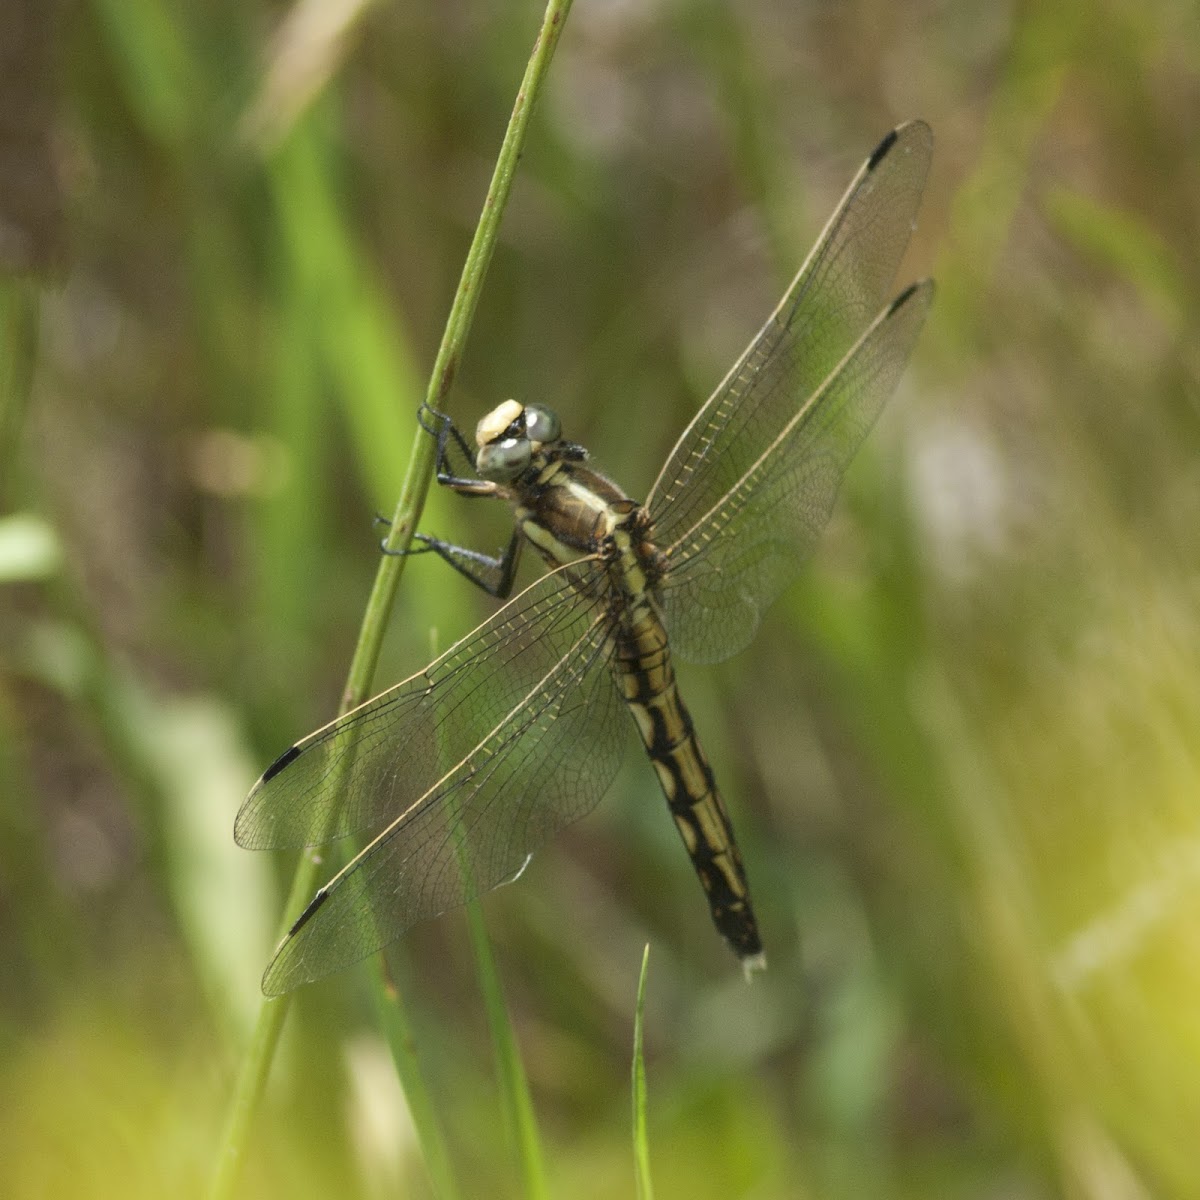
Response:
column 568, row 511
column 647, row 678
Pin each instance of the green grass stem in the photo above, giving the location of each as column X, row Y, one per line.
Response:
column 260, row 1053
column 641, row 1144
column 515, row 1100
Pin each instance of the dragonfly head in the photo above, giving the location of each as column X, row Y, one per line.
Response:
column 510, row 435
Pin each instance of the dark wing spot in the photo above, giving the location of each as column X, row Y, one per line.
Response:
column 880, row 151
column 303, row 919
column 903, row 298
column 281, row 762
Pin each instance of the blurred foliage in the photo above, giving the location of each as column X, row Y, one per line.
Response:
column 962, row 753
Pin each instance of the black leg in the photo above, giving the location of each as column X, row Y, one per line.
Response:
column 439, row 425
column 493, row 573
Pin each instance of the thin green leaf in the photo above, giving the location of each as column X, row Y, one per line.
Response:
column 515, row 1102
column 261, row 1051
column 150, row 46
column 641, row 1145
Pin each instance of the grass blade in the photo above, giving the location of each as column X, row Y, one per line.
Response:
column 515, row 1100
column 641, row 1145
column 252, row 1078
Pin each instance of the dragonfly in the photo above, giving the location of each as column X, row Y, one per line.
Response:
column 454, row 777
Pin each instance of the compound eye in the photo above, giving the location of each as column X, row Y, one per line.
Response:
column 503, row 459
column 542, row 424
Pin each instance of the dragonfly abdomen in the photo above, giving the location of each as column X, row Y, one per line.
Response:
column 647, row 678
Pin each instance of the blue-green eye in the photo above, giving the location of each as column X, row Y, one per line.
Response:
column 542, row 424
column 503, row 460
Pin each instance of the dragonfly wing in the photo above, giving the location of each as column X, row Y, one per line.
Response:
column 359, row 772
column 528, row 737
column 835, row 296
column 740, row 555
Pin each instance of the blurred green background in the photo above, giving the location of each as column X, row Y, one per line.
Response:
column 962, row 755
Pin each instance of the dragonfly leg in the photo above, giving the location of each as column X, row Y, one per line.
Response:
column 493, row 573
column 440, row 426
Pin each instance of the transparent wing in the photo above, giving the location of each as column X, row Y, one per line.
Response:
column 741, row 554
column 462, row 771
column 699, row 497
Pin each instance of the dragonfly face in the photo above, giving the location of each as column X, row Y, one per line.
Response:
column 459, row 773
column 509, row 436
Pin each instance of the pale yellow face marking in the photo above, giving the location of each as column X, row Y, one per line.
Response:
column 497, row 421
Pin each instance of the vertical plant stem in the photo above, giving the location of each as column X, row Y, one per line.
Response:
column 515, row 1100
column 260, row 1053
column 397, row 1028
column 641, row 1145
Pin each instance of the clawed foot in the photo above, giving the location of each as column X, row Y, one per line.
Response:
column 427, row 543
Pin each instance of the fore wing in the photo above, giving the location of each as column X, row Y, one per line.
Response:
column 809, row 384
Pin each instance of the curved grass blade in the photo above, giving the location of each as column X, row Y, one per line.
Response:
column 515, row 1100
column 252, row 1077
column 641, row 1144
